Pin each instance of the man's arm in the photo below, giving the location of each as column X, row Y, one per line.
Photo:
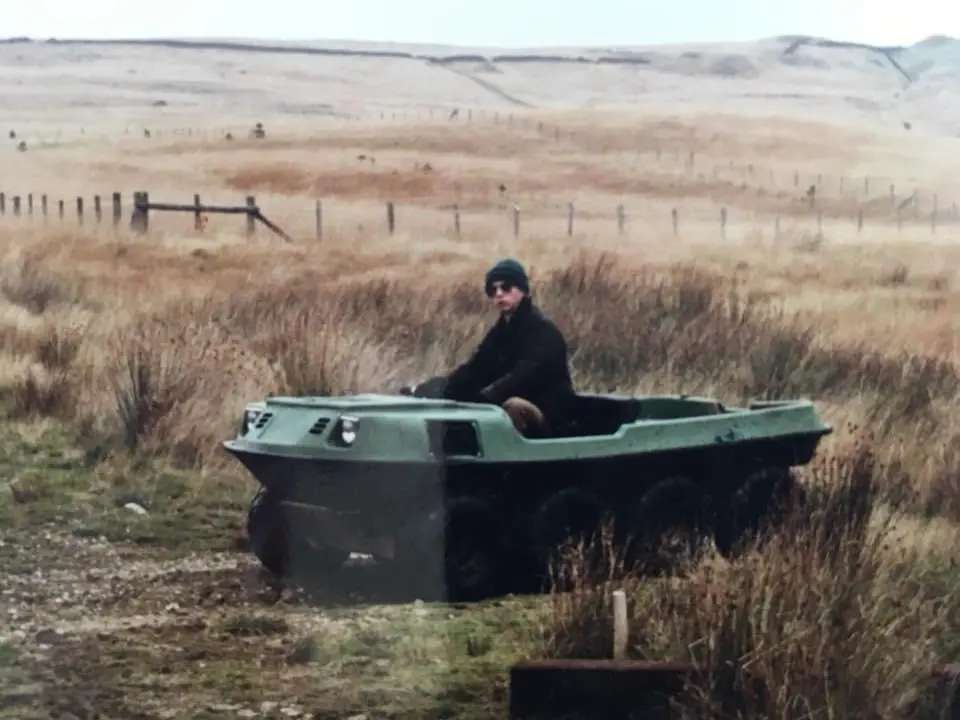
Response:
column 466, row 380
column 540, row 350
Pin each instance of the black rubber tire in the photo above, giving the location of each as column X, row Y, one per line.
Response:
column 672, row 504
column 433, row 551
column 761, row 502
column 277, row 547
column 266, row 533
column 565, row 519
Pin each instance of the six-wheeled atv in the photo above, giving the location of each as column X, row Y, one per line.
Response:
column 462, row 505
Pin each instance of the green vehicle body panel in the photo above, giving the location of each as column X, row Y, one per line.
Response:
column 417, row 476
column 399, row 429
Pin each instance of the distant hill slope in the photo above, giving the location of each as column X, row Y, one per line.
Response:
column 75, row 78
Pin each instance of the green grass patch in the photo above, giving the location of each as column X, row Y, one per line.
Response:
column 416, row 661
column 51, row 481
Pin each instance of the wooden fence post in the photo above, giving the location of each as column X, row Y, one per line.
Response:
column 570, row 212
column 621, row 625
column 3, row 203
column 456, row 219
column 80, row 211
column 318, row 212
column 139, row 218
column 16, row 206
column 43, row 206
column 516, row 220
column 391, row 218
column 60, row 209
column 197, row 215
column 135, row 221
column 723, row 222
column 30, row 204
column 251, row 214
column 97, row 209
column 675, row 218
column 117, row 209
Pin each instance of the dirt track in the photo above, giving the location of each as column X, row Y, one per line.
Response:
column 89, row 630
column 73, row 606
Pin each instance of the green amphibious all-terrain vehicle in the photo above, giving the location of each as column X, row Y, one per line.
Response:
column 455, row 498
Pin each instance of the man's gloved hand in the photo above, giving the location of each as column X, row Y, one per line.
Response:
column 431, row 388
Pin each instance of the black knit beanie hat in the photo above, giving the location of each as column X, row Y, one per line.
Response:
column 508, row 271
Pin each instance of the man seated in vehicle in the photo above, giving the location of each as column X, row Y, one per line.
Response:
column 521, row 363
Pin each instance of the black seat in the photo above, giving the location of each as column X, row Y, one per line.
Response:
column 597, row 414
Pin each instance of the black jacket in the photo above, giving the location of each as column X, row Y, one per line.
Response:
column 525, row 357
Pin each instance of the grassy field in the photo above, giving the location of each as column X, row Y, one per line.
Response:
column 124, row 360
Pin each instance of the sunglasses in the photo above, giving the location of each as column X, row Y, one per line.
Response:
column 493, row 287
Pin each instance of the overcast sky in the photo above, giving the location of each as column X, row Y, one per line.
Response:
column 487, row 22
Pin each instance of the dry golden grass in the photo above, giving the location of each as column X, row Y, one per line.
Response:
column 152, row 345
column 833, row 615
column 833, row 315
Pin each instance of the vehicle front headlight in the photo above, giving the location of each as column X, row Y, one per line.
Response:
column 248, row 420
column 348, row 427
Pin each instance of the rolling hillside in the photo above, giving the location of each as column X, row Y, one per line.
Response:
column 57, row 82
